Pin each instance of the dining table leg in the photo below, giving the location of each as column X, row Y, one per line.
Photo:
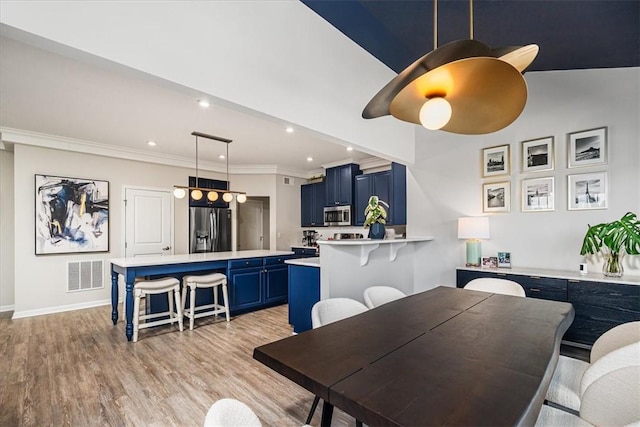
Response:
column 327, row 414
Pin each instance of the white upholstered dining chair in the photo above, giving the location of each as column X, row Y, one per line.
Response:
column 231, row 413
column 611, row 400
column 375, row 296
column 618, row 347
column 329, row 311
column 496, row 286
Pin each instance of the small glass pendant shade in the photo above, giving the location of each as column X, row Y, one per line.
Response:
column 179, row 193
column 196, row 194
column 227, row 197
column 212, row 196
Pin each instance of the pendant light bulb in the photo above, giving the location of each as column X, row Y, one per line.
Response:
column 196, row 194
column 179, row 193
column 212, row 196
column 241, row 198
column 435, row 113
column 227, row 197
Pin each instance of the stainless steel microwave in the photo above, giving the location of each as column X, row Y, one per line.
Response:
column 337, row 215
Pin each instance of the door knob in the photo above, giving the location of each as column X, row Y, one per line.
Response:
column 166, row 248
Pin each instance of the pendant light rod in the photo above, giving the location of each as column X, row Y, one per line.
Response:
column 471, row 19
column 435, row 24
column 228, row 182
column 197, row 183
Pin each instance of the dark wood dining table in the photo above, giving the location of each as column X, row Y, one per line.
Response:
column 445, row 356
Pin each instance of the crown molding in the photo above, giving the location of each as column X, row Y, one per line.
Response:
column 10, row 136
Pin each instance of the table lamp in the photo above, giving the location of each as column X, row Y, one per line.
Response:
column 473, row 229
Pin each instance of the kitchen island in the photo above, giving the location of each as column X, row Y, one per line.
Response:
column 256, row 278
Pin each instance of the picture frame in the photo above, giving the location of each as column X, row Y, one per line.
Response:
column 537, row 154
column 538, row 194
column 71, row 215
column 504, row 259
column 587, row 148
column 496, row 197
column 587, row 191
column 496, row 161
column 489, row 262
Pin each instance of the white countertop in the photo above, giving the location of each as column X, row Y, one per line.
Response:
column 560, row 274
column 360, row 242
column 305, row 262
column 186, row 258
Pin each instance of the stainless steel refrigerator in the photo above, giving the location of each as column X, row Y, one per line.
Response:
column 209, row 230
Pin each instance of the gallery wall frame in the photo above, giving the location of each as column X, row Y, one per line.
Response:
column 71, row 215
column 587, row 191
column 538, row 194
column 537, row 154
column 587, row 148
column 496, row 197
column 496, row 161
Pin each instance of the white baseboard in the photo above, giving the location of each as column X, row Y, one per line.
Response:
column 59, row 309
column 4, row 308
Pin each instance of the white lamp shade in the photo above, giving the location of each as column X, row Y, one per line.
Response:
column 476, row 227
column 241, row 198
column 435, row 113
column 179, row 193
column 212, row 196
column 227, row 197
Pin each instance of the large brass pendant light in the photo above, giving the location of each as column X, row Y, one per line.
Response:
column 462, row 87
column 212, row 194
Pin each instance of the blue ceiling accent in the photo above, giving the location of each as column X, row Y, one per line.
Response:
column 572, row 34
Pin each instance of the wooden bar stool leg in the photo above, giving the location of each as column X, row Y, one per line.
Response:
column 225, row 297
column 179, row 308
column 192, row 310
column 170, row 301
column 215, row 299
column 136, row 316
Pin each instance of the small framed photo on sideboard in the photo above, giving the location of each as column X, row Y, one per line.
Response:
column 504, row 259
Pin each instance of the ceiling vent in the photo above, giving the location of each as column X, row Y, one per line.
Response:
column 286, row 180
column 84, row 275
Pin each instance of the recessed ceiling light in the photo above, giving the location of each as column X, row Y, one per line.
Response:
column 151, row 143
column 203, row 103
column 221, row 157
column 309, row 159
column 349, row 148
column 289, row 129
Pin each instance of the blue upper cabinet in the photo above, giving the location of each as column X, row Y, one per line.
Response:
column 204, row 202
column 312, row 201
column 340, row 184
column 390, row 186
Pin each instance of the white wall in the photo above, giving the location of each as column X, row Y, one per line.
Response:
column 6, row 231
column 446, row 181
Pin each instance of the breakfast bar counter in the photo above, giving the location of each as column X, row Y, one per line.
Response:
column 253, row 264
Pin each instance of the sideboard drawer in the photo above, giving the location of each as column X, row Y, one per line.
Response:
column 542, row 287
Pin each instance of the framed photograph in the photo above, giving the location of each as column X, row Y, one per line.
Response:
column 537, row 155
column 538, row 194
column 489, row 262
column 72, row 215
column 504, row 260
column 495, row 161
column 587, row 148
column 496, row 197
column 588, row 191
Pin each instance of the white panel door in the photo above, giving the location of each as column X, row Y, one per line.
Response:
column 250, row 233
column 148, row 220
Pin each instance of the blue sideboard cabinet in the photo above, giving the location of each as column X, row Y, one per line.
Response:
column 390, row 186
column 599, row 304
column 313, row 198
column 304, row 292
column 340, row 184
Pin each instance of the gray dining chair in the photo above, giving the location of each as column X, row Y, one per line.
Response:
column 496, row 286
column 615, row 348
column 328, row 311
column 375, row 296
column 611, row 400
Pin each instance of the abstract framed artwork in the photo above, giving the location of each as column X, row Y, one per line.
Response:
column 495, row 161
column 537, row 155
column 496, row 197
column 72, row 215
column 587, row 148
column 588, row 191
column 538, row 194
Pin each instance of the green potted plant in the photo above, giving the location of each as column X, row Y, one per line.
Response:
column 375, row 217
column 614, row 239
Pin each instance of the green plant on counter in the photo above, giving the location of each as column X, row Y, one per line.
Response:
column 617, row 237
column 375, row 212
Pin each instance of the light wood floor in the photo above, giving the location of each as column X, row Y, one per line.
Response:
column 77, row 369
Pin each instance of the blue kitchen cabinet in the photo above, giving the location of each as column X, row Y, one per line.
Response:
column 204, row 202
column 340, row 184
column 313, row 199
column 390, row 186
column 304, row 292
column 257, row 283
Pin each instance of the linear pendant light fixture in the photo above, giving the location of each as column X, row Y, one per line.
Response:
column 212, row 194
column 462, row 87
